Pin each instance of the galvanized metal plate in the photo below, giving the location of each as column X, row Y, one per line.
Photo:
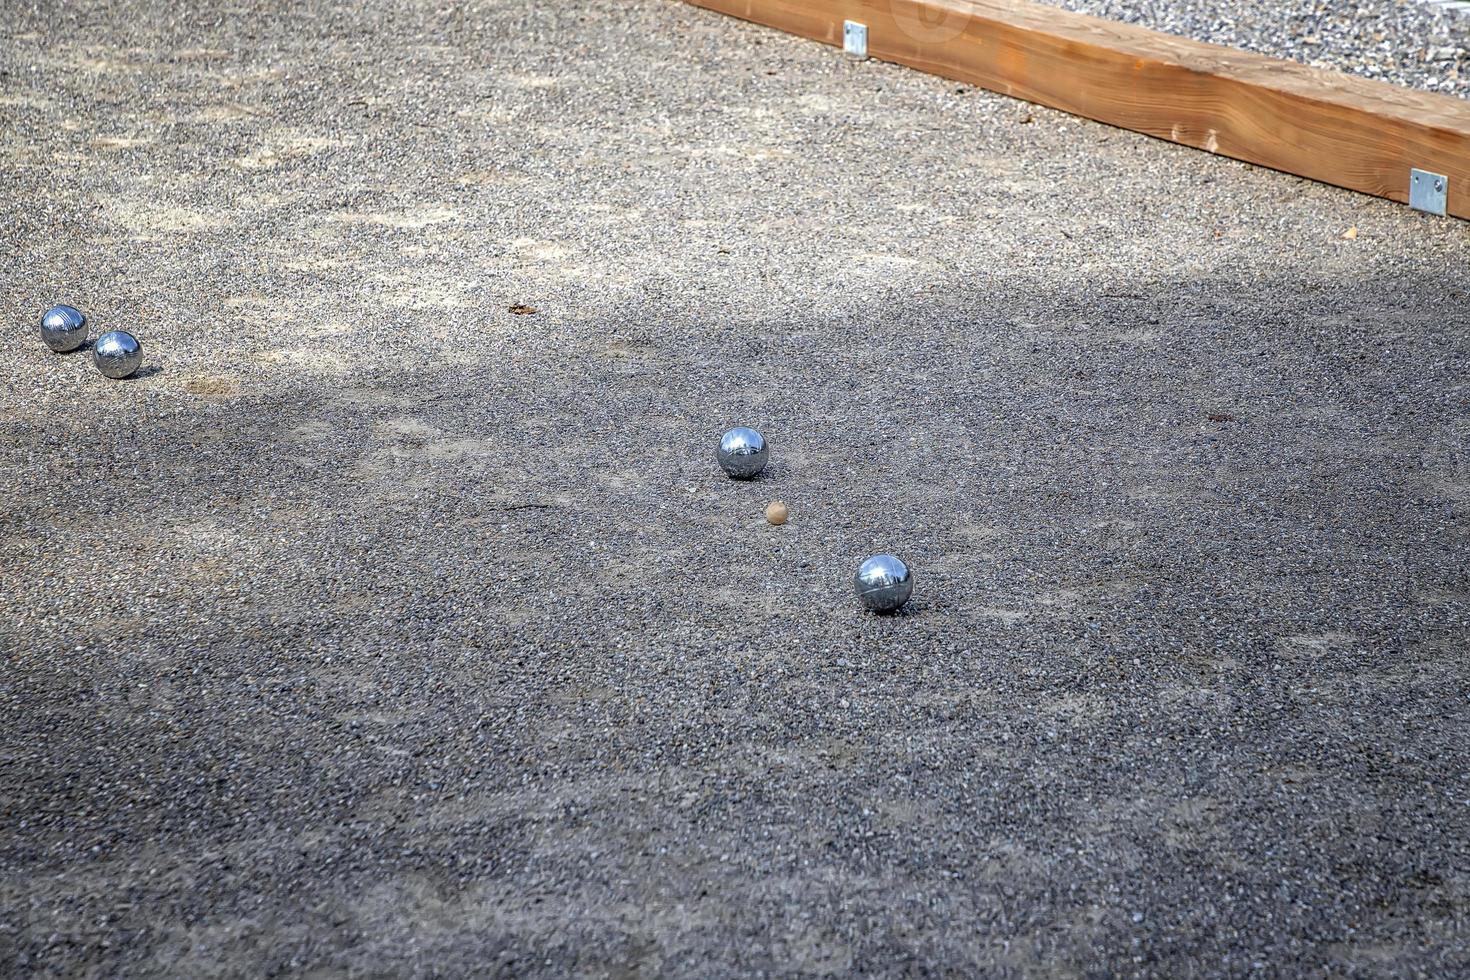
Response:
column 1429, row 192
column 855, row 38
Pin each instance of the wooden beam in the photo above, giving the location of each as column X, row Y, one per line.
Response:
column 1332, row 127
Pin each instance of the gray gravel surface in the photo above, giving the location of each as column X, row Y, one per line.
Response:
column 374, row 629
column 1408, row 42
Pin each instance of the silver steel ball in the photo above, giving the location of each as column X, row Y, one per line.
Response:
column 117, row 353
column 742, row 453
column 64, row 328
column 883, row 583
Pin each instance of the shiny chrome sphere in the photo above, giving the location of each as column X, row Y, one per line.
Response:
column 63, row 328
column 117, row 353
column 742, row 453
column 883, row 583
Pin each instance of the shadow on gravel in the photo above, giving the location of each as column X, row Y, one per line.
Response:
column 493, row 667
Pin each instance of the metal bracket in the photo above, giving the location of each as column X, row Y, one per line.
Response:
column 1429, row 192
column 855, row 38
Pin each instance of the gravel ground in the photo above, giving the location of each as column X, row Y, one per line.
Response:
column 375, row 629
column 1408, row 42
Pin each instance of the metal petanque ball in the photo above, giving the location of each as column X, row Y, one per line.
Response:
column 883, row 583
column 742, row 453
column 117, row 353
column 64, row 328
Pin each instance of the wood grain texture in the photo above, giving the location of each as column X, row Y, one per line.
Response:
column 1328, row 126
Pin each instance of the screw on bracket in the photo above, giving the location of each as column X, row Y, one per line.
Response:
column 1429, row 192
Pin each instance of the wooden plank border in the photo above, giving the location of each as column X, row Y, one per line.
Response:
column 1328, row 126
